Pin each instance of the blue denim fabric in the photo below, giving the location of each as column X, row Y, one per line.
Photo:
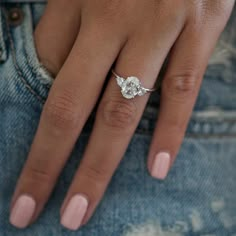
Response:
column 198, row 198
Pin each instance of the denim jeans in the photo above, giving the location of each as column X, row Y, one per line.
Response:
column 198, row 198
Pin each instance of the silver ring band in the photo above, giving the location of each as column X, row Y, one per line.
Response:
column 131, row 86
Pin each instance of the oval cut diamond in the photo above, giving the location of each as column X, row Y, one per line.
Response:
column 130, row 87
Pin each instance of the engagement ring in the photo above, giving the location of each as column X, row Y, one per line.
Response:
column 131, row 86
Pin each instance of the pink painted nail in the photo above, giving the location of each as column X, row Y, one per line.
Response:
column 74, row 212
column 161, row 165
column 22, row 211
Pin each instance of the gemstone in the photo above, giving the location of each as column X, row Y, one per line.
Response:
column 141, row 91
column 119, row 81
column 130, row 87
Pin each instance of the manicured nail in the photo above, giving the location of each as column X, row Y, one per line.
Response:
column 74, row 212
column 22, row 211
column 161, row 165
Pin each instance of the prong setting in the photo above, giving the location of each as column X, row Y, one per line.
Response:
column 131, row 87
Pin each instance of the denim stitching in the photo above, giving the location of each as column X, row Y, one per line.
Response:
column 188, row 135
column 32, row 68
column 2, row 40
column 18, row 70
column 150, row 115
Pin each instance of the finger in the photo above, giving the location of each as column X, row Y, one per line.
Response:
column 187, row 63
column 115, row 123
column 70, row 101
column 58, row 20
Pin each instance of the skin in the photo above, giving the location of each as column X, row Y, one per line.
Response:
column 84, row 40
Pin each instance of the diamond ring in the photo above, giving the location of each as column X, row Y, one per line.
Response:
column 131, row 86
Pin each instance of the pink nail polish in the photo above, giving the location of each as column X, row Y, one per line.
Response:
column 22, row 211
column 74, row 212
column 161, row 165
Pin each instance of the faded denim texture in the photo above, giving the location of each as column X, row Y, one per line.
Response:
column 198, row 198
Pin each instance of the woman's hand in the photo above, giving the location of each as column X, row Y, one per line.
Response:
column 78, row 41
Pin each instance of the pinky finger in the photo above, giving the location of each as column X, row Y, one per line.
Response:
column 188, row 61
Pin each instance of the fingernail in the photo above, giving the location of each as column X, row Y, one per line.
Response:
column 74, row 212
column 161, row 165
column 22, row 211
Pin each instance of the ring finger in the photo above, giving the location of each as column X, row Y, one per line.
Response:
column 114, row 126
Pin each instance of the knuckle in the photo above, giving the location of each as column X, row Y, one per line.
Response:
column 217, row 8
column 60, row 111
column 95, row 174
column 119, row 114
column 114, row 8
column 38, row 175
column 175, row 127
column 180, row 87
column 213, row 13
column 93, row 179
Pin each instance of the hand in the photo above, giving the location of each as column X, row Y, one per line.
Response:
column 79, row 42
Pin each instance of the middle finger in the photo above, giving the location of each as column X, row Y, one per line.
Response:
column 115, row 123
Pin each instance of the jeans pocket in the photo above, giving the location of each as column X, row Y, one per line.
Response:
column 20, row 23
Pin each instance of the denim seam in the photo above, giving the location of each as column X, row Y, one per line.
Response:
column 197, row 115
column 189, row 135
column 2, row 40
column 149, row 116
column 31, row 67
column 18, row 70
